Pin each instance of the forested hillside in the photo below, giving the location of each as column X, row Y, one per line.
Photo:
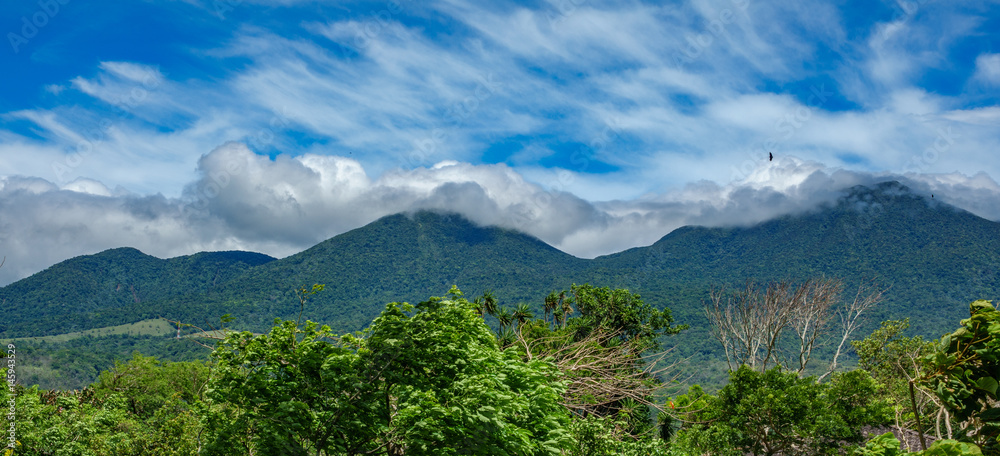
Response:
column 399, row 257
column 933, row 256
column 112, row 288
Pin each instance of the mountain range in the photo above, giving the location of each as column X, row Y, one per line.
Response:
column 934, row 258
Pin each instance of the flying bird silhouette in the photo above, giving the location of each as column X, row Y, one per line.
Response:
column 770, row 156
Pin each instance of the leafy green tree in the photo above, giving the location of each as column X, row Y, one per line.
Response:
column 505, row 317
column 887, row 445
column 506, row 338
column 605, row 354
column 963, row 371
column 605, row 436
column 454, row 391
column 621, row 312
column 107, row 421
column 776, row 412
column 894, row 361
column 149, row 385
column 883, row 445
column 550, row 305
column 489, row 303
column 564, row 308
column 859, row 400
column 292, row 391
column 698, row 433
column 886, row 353
column 420, row 380
column 522, row 313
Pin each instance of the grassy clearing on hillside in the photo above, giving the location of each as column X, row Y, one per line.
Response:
column 151, row 327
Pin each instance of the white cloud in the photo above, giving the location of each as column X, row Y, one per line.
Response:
column 246, row 201
column 988, row 69
column 88, row 186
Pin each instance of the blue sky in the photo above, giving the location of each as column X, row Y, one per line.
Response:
column 178, row 126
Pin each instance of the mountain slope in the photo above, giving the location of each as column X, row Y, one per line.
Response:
column 935, row 257
column 401, row 258
column 105, row 288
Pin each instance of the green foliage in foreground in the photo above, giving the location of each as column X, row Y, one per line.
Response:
column 951, row 383
column 424, row 380
column 964, row 371
column 961, row 370
column 595, row 436
column 433, row 379
column 776, row 412
column 887, row 445
column 138, row 408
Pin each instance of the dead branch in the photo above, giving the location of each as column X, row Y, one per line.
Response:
column 810, row 308
column 602, row 370
column 750, row 322
column 212, row 333
column 867, row 297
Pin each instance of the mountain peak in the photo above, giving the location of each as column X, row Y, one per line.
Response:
column 122, row 251
column 892, row 188
column 893, row 196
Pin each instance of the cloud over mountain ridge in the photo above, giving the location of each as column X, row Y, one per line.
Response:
column 245, row 201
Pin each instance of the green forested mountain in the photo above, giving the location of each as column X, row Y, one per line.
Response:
column 111, row 288
column 395, row 258
column 935, row 257
column 399, row 258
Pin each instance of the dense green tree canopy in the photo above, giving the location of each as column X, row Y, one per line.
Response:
column 434, row 379
column 621, row 312
column 428, row 379
column 776, row 412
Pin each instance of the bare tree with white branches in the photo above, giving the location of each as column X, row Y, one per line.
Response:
column 750, row 322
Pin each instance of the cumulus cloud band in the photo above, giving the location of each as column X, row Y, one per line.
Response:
column 245, row 201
